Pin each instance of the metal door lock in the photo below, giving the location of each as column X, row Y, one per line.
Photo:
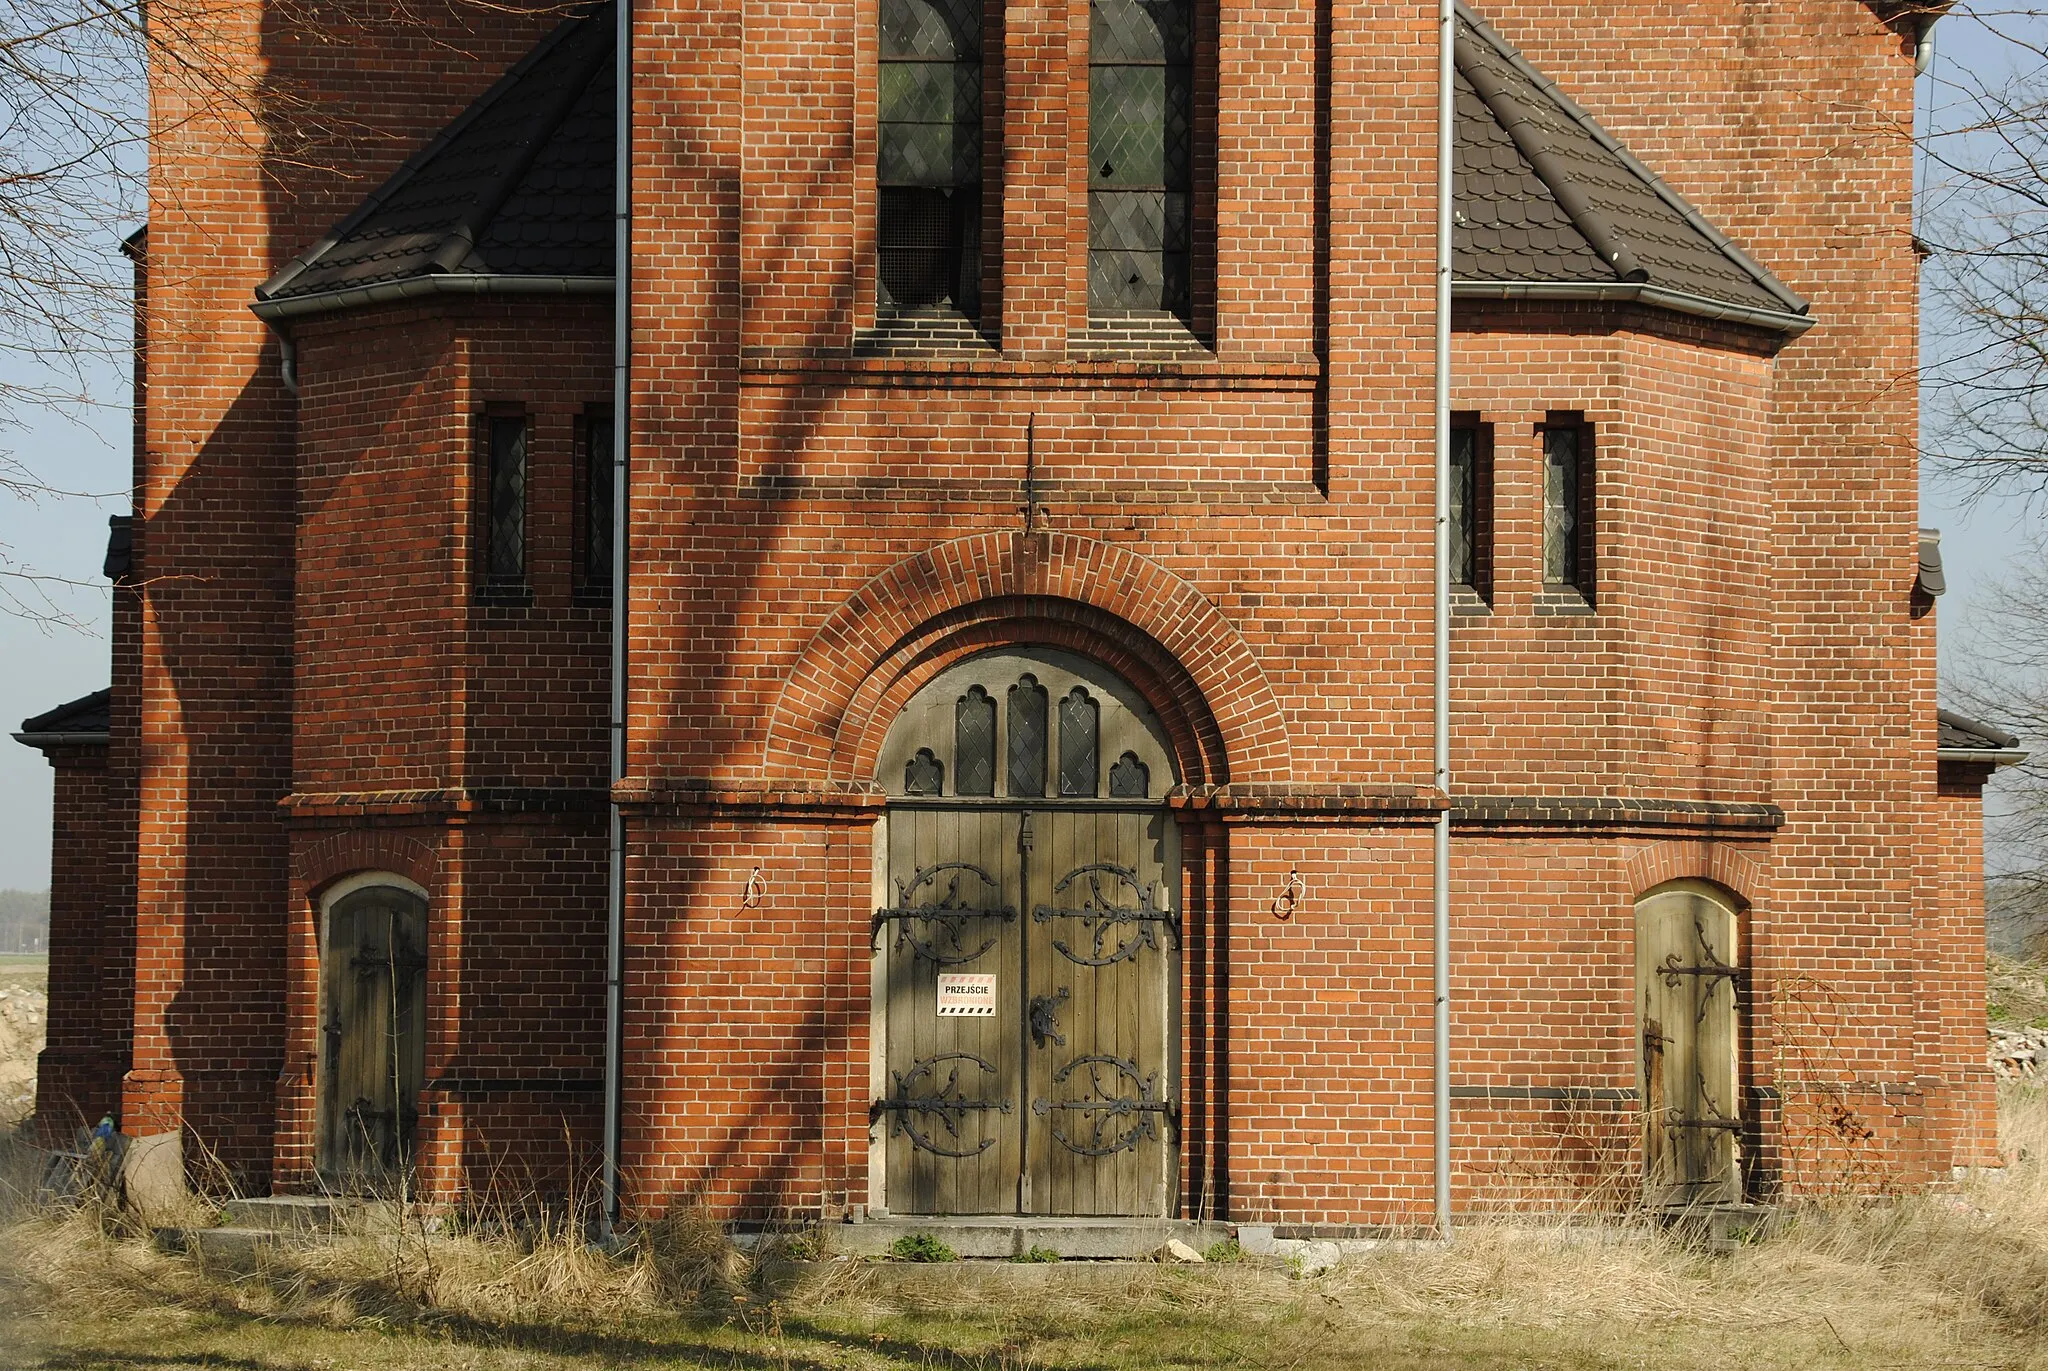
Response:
column 1045, row 1023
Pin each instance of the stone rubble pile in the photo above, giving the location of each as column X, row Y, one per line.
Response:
column 2019, row 1053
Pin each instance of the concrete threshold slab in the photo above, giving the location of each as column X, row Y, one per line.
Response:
column 989, row 1237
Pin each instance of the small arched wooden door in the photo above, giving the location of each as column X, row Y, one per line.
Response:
column 373, row 1007
column 1688, row 1021
column 1027, row 944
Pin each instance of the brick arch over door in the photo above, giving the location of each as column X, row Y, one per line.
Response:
column 335, row 855
column 1735, row 870
column 1060, row 589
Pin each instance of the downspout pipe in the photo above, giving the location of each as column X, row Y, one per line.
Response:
column 1440, row 894
column 615, row 856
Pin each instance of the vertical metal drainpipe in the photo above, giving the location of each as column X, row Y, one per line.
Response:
column 615, row 857
column 1441, row 705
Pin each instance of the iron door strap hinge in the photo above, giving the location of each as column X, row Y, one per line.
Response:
column 915, row 1102
column 1113, row 1121
column 944, row 916
column 1670, row 970
column 1101, row 917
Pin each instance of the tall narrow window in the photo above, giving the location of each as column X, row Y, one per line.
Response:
column 594, row 564
column 928, row 156
column 1472, row 504
column 1568, row 502
column 974, row 743
column 1027, row 738
column 1141, row 56
column 1079, row 762
column 504, row 512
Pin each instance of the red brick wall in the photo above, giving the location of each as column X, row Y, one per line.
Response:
column 78, row 1075
column 1245, row 535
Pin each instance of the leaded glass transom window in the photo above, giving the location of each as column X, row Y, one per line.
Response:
column 1130, row 778
column 928, row 155
column 1027, row 737
column 1140, row 157
column 505, row 520
column 924, row 774
column 974, row 743
column 1079, row 715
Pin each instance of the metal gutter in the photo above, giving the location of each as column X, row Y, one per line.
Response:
column 418, row 287
column 79, row 739
column 2005, row 756
column 1638, row 292
column 1440, row 704
column 615, row 847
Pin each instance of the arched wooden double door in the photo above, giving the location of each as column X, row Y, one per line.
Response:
column 1027, row 944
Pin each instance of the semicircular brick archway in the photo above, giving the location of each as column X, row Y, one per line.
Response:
column 904, row 624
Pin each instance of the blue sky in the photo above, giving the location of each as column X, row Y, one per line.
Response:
column 87, row 450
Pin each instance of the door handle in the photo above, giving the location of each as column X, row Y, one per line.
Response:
column 1045, row 1021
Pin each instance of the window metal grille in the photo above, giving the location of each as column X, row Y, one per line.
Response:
column 1140, row 156
column 928, row 154
column 974, row 743
column 505, row 527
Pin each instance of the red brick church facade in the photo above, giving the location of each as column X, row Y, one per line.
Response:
column 1028, row 548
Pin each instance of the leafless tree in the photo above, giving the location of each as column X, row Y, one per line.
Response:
column 1984, row 219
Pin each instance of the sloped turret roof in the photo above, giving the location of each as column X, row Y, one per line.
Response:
column 1549, row 204
column 518, row 189
column 516, row 194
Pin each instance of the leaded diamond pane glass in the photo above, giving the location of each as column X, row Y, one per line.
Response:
column 936, row 29
column 597, row 503
column 1464, row 504
column 974, row 743
column 1141, row 31
column 1078, row 760
column 1129, row 779
column 924, row 774
column 1027, row 738
column 1561, row 506
column 507, row 524
column 1140, row 156
column 1140, row 126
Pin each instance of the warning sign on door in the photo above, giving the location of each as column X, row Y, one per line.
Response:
column 972, row 995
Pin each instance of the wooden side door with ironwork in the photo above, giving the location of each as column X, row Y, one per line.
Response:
column 373, row 987
column 1687, row 1018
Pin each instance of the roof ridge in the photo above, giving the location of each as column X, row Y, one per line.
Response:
column 411, row 166
column 1762, row 275
column 1520, row 125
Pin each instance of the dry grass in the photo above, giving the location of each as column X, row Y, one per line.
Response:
column 1949, row 1280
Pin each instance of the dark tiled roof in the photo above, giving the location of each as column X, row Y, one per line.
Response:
column 519, row 189
column 1548, row 202
column 1962, row 734
column 519, row 185
column 82, row 720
